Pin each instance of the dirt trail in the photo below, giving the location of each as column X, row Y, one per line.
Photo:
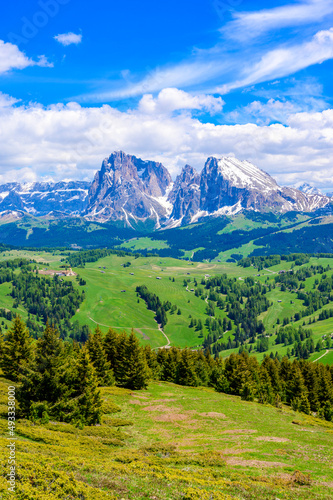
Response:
column 120, row 327
column 327, row 350
column 168, row 340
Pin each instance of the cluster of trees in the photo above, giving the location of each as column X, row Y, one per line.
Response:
column 265, row 261
column 306, row 386
column 154, row 304
column 47, row 298
column 6, row 313
column 306, row 239
column 7, row 268
column 290, row 334
column 243, row 301
column 60, row 380
column 79, row 259
column 325, row 314
column 260, row 262
column 56, row 379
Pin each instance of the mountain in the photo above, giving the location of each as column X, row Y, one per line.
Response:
column 185, row 197
column 130, row 189
column 307, row 188
column 44, row 198
column 141, row 194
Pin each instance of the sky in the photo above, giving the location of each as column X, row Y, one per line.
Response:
column 174, row 81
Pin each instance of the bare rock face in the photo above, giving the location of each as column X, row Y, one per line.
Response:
column 138, row 192
column 128, row 188
column 185, row 196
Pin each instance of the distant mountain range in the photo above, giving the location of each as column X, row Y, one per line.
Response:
column 135, row 191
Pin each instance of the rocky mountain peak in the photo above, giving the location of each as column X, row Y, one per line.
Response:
column 137, row 192
column 307, row 188
column 127, row 188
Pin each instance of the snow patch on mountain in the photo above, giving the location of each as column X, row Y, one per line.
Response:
column 307, row 188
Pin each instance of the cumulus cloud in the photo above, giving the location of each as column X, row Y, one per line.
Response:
column 12, row 58
column 172, row 99
column 69, row 38
column 70, row 141
column 274, row 110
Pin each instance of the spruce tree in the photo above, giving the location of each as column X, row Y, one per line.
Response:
column 132, row 369
column 186, row 374
column 99, row 359
column 42, row 379
column 87, row 397
column 17, row 350
column 113, row 344
column 304, row 404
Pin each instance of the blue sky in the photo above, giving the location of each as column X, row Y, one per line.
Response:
column 174, row 81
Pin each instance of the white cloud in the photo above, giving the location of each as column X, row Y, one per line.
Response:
column 275, row 110
column 222, row 68
column 172, row 99
column 7, row 100
column 69, row 38
column 70, row 141
column 12, row 58
column 284, row 61
column 185, row 74
column 248, row 25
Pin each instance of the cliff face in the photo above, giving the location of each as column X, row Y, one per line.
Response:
column 128, row 188
column 135, row 191
column 185, row 196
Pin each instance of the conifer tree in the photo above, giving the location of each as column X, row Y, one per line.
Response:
column 152, row 362
column 202, row 369
column 132, row 369
column 42, row 377
column 304, row 404
column 86, row 395
column 296, row 388
column 186, row 374
column 99, row 359
column 17, row 350
column 114, row 345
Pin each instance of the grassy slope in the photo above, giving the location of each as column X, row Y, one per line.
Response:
column 225, row 448
column 107, row 305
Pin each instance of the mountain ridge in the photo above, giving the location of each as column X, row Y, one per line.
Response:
column 135, row 191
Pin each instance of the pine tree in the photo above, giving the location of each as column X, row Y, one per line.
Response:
column 152, row 362
column 17, row 350
column 304, row 404
column 186, row 374
column 42, row 377
column 88, row 401
column 99, row 359
column 111, row 343
column 132, row 369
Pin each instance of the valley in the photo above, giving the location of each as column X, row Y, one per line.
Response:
column 111, row 300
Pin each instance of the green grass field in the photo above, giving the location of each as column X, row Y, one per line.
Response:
column 107, row 306
column 171, row 442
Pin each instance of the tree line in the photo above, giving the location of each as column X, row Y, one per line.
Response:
column 60, row 380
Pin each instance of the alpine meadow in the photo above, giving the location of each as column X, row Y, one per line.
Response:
column 166, row 250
